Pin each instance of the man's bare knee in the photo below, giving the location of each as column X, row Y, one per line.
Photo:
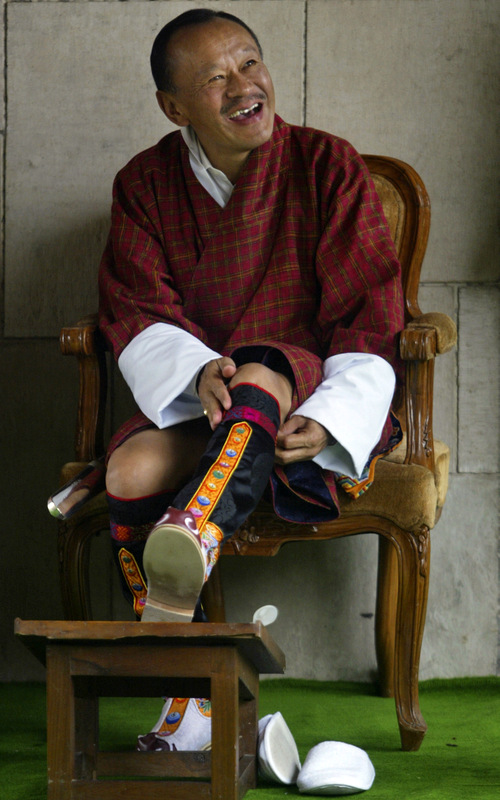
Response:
column 136, row 469
column 155, row 460
column 273, row 382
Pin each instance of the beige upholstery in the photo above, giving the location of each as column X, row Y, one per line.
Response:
column 409, row 495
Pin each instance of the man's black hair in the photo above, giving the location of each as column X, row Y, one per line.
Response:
column 161, row 63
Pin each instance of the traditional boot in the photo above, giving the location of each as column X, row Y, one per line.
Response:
column 131, row 521
column 231, row 477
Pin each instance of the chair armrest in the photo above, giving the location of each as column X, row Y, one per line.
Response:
column 85, row 341
column 81, row 339
column 441, row 326
column 424, row 337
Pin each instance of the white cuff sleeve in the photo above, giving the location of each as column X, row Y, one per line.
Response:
column 160, row 365
column 352, row 403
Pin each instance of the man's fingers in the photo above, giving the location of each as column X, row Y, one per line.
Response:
column 229, row 368
column 300, row 432
column 300, row 439
column 288, row 428
column 212, row 388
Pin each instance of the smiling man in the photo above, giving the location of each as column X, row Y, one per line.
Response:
column 251, row 294
column 222, row 90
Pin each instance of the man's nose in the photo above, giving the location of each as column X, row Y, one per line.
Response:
column 238, row 85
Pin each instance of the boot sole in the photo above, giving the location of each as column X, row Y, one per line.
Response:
column 175, row 568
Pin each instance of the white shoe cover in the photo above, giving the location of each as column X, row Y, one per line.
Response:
column 277, row 752
column 335, row 768
column 193, row 733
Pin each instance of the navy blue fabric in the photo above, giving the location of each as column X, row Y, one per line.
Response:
column 304, row 477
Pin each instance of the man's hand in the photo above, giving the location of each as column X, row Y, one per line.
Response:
column 212, row 388
column 300, row 439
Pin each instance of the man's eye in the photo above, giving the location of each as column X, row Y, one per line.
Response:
column 250, row 63
column 216, row 78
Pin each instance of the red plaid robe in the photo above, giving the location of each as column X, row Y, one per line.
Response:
column 300, row 258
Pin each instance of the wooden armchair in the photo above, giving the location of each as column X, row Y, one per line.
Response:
column 402, row 506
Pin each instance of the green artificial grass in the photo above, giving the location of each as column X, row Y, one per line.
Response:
column 459, row 757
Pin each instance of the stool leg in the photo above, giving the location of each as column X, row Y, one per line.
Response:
column 225, row 726
column 60, row 724
column 86, row 729
column 248, row 687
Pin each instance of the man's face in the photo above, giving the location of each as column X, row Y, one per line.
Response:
column 223, row 90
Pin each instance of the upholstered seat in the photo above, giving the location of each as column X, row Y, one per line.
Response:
column 402, row 506
column 431, row 486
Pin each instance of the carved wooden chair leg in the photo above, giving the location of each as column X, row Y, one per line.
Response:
column 74, row 552
column 385, row 616
column 413, row 550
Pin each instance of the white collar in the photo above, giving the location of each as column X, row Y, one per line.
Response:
column 212, row 179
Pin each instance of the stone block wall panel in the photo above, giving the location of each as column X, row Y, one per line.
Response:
column 325, row 595
column 461, row 631
column 479, row 379
column 419, row 80
column 37, row 404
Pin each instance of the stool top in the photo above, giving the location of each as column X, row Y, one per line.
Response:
column 252, row 639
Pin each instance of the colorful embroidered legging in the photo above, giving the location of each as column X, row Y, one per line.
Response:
column 228, row 483
column 131, row 521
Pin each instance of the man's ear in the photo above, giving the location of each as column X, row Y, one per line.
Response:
column 169, row 107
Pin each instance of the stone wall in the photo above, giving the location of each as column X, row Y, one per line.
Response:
column 417, row 80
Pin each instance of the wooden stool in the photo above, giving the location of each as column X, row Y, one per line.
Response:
column 88, row 660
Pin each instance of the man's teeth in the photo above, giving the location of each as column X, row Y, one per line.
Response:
column 244, row 112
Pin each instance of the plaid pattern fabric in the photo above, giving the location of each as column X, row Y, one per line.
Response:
column 301, row 254
column 300, row 259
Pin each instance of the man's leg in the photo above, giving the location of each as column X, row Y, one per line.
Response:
column 155, row 462
column 147, row 471
column 143, row 476
column 227, row 485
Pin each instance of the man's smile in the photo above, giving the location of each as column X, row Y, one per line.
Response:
column 245, row 113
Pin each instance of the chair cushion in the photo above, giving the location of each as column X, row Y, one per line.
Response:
column 407, row 494
column 441, row 466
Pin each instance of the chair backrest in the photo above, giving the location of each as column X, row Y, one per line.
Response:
column 407, row 209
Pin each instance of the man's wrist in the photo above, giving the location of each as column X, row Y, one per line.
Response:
column 198, row 379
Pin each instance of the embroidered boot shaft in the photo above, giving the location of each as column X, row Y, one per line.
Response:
column 228, row 484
